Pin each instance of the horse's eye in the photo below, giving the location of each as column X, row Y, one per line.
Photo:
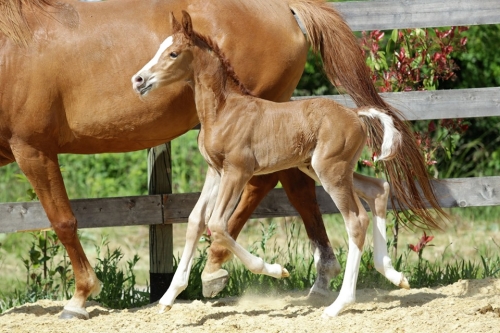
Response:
column 173, row 55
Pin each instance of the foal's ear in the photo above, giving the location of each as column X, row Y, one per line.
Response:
column 176, row 26
column 187, row 25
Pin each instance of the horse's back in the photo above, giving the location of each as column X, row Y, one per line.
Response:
column 71, row 84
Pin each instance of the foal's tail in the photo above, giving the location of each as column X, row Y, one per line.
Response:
column 13, row 21
column 344, row 63
column 392, row 137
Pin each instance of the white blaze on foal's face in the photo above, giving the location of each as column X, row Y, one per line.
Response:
column 166, row 43
column 144, row 80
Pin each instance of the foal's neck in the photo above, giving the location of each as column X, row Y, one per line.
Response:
column 212, row 84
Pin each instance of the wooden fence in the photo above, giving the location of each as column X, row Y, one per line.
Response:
column 162, row 210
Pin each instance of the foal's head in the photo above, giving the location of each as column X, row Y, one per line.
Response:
column 172, row 62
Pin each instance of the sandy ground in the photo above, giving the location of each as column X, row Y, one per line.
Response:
column 466, row 306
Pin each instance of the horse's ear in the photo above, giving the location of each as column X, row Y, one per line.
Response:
column 176, row 26
column 187, row 25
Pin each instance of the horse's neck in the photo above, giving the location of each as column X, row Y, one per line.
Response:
column 211, row 85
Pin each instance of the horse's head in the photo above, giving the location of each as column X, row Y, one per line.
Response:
column 172, row 62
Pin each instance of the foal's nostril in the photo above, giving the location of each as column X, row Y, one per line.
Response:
column 138, row 79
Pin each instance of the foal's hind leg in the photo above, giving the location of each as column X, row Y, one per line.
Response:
column 196, row 225
column 376, row 193
column 335, row 174
column 42, row 170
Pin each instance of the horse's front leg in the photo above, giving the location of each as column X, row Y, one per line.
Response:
column 232, row 182
column 196, row 225
column 376, row 193
column 42, row 170
column 214, row 277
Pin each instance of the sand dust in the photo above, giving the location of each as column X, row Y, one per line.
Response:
column 466, row 306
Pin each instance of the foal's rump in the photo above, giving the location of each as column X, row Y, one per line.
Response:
column 338, row 122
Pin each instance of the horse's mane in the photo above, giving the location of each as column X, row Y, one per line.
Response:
column 13, row 22
column 226, row 64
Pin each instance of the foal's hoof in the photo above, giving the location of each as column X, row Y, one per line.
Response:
column 404, row 283
column 284, row 273
column 164, row 308
column 70, row 313
column 213, row 283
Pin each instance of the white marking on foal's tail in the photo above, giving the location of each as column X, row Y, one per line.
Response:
column 392, row 137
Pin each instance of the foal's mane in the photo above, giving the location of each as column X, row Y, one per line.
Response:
column 13, row 22
column 207, row 42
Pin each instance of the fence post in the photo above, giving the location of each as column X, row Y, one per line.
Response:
column 161, row 268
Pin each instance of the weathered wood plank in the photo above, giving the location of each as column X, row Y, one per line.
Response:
column 106, row 212
column 397, row 14
column 91, row 213
column 439, row 104
column 161, row 239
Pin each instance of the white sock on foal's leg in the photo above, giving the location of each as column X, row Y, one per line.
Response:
column 347, row 293
column 381, row 259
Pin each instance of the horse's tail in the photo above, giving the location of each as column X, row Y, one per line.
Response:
column 13, row 22
column 343, row 61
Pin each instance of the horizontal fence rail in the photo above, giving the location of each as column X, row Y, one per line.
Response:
column 175, row 208
column 439, row 104
column 398, row 14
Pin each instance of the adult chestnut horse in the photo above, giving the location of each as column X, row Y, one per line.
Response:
column 64, row 88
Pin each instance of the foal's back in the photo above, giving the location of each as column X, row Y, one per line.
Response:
column 273, row 136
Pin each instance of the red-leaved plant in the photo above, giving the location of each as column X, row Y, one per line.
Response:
column 422, row 243
column 417, row 59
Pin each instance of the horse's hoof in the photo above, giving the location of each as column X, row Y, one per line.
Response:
column 284, row 273
column 317, row 292
column 164, row 308
column 404, row 283
column 71, row 313
column 213, row 283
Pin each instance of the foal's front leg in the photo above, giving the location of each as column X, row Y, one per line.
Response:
column 231, row 186
column 196, row 225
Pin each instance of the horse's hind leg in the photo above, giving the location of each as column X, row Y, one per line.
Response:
column 196, row 225
column 301, row 192
column 42, row 170
column 376, row 193
column 214, row 278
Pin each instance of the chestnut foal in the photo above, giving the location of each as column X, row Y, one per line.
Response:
column 242, row 136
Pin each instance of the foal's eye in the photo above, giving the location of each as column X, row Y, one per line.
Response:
column 173, row 55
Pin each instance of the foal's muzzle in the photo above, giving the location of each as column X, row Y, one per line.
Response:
column 142, row 85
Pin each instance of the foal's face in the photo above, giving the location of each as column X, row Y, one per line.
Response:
column 172, row 63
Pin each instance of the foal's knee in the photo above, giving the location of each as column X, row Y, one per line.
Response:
column 218, row 232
